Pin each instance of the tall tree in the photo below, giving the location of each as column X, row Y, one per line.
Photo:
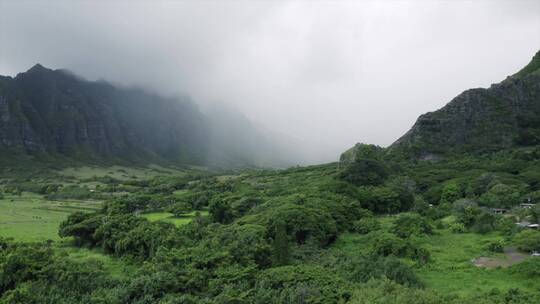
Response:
column 281, row 244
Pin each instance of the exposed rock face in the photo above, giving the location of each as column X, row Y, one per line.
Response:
column 481, row 120
column 55, row 112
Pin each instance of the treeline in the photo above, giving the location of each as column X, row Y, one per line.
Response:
column 269, row 237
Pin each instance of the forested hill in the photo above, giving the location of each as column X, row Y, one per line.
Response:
column 46, row 112
column 480, row 120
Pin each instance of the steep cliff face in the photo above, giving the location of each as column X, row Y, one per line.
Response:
column 480, row 120
column 55, row 112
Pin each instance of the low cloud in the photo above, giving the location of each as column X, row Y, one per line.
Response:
column 328, row 73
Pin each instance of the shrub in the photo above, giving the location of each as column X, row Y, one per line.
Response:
column 506, row 225
column 221, row 211
column 450, row 193
column 365, row 172
column 457, row 228
column 243, row 205
column 405, row 188
column 386, row 244
column 476, row 219
column 243, row 244
column 381, row 199
column 280, row 245
column 418, row 253
column 384, row 291
column 501, row 196
column 528, row 240
column 529, row 268
column 70, row 192
column 303, row 223
column 495, row 246
column 179, row 209
column 301, row 284
column 366, row 225
column 460, row 206
column 408, row 224
column 81, row 226
column 363, row 269
column 484, row 223
column 420, row 206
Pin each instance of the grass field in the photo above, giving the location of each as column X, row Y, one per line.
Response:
column 119, row 172
column 116, row 267
column 451, row 270
column 170, row 218
column 29, row 217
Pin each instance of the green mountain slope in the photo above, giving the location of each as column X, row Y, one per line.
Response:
column 480, row 120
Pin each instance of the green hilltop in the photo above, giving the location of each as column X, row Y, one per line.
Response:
column 532, row 67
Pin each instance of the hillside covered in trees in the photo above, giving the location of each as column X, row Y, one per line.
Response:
column 376, row 227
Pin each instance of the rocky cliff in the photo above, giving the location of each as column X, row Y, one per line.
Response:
column 45, row 111
column 480, row 120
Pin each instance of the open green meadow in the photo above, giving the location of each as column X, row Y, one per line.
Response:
column 170, row 218
column 118, row 172
column 451, row 268
column 117, row 268
column 30, row 217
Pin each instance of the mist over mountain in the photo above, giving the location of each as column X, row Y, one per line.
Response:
column 327, row 72
column 56, row 113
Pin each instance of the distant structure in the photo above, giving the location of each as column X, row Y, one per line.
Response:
column 528, row 225
column 533, row 226
column 498, row 210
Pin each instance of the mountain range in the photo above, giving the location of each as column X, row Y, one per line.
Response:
column 46, row 112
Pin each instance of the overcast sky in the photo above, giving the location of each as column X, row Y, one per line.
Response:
column 335, row 73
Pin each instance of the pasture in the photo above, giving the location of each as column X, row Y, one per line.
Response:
column 115, row 267
column 30, row 217
column 119, row 172
column 451, row 269
column 170, row 218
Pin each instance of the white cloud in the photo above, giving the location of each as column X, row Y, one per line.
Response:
column 335, row 72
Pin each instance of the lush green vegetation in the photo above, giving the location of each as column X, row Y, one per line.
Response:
column 404, row 233
column 30, row 217
column 175, row 220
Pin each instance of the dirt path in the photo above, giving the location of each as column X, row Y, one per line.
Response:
column 512, row 256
